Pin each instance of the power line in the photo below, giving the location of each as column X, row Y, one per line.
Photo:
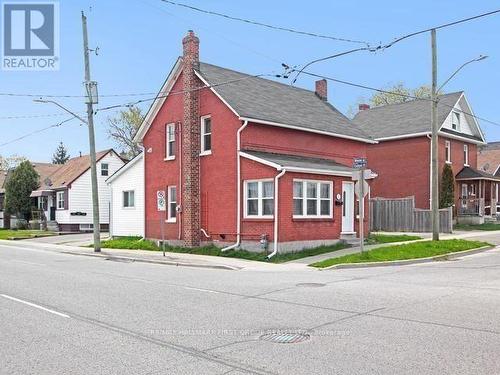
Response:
column 348, row 83
column 36, row 132
column 390, row 44
column 17, row 117
column 257, row 23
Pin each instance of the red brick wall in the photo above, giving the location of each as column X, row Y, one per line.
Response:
column 403, row 166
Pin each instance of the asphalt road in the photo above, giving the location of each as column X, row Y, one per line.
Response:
column 68, row 314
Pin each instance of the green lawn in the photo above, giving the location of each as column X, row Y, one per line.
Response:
column 485, row 226
column 414, row 250
column 388, row 238
column 6, row 234
column 135, row 243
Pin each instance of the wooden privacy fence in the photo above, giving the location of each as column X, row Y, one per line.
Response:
column 400, row 215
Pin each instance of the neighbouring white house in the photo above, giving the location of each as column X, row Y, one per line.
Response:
column 127, row 199
column 64, row 197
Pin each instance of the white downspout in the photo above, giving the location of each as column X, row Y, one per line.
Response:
column 238, row 192
column 275, row 235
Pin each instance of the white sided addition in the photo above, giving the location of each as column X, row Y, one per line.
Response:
column 127, row 199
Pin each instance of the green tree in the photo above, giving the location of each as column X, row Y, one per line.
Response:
column 123, row 127
column 18, row 188
column 398, row 93
column 60, row 156
column 447, row 191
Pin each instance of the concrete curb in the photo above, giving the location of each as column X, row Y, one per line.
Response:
column 108, row 256
column 404, row 262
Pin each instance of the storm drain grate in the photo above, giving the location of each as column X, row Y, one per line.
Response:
column 310, row 285
column 285, row 337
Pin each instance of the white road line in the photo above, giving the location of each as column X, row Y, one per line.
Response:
column 35, row 305
column 201, row 290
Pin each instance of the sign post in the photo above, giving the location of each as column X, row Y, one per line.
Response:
column 361, row 190
column 162, row 207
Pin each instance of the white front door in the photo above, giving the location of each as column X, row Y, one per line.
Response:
column 347, row 207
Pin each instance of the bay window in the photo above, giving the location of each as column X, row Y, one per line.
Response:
column 312, row 199
column 259, row 199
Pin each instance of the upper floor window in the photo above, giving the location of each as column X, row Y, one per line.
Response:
column 455, row 120
column 312, row 199
column 104, row 169
column 170, row 142
column 259, row 199
column 129, row 199
column 447, row 148
column 466, row 155
column 206, row 135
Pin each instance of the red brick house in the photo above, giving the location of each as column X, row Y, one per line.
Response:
column 401, row 157
column 243, row 158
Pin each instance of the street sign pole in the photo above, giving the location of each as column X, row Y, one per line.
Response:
column 362, row 211
column 162, row 207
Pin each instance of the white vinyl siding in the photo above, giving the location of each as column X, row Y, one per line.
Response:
column 455, row 120
column 170, row 142
column 206, row 135
column 312, row 199
column 259, row 199
column 126, row 221
column 80, row 195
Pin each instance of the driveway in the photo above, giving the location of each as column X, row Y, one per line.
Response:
column 65, row 313
column 79, row 239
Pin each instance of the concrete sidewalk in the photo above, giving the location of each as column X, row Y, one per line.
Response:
column 487, row 236
column 173, row 259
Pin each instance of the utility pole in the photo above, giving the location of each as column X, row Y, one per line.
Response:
column 434, row 143
column 89, row 86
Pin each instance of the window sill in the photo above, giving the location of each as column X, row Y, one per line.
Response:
column 171, row 221
column 330, row 219
column 205, row 153
column 258, row 219
column 466, row 165
column 128, row 208
column 169, row 158
column 448, row 162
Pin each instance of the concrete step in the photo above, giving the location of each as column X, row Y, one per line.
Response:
column 53, row 226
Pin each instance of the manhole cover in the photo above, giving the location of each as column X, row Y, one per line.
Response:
column 281, row 337
column 311, row 285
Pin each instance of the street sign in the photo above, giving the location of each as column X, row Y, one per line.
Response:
column 161, row 201
column 359, row 163
column 357, row 186
column 356, row 175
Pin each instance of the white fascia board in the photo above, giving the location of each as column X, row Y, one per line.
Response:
column 403, row 136
column 476, row 123
column 124, row 168
column 465, row 139
column 158, row 103
column 216, row 93
column 260, row 160
column 307, row 130
column 318, row 171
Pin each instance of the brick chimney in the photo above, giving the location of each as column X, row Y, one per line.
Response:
column 322, row 89
column 191, row 142
column 364, row 107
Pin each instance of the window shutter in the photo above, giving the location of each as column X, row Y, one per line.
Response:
column 66, row 200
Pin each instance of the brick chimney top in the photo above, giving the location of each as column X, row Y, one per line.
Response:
column 322, row 89
column 191, row 49
column 364, row 107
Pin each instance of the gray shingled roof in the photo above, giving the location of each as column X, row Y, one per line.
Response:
column 292, row 161
column 404, row 118
column 267, row 100
column 470, row 173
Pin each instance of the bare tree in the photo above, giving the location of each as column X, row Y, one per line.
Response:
column 123, row 127
column 10, row 162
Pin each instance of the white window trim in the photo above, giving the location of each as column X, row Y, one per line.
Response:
column 106, row 169
column 259, row 199
column 447, row 151
column 466, row 155
column 123, row 200
column 171, row 219
column 204, row 152
column 318, row 199
column 168, row 142
column 59, row 194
